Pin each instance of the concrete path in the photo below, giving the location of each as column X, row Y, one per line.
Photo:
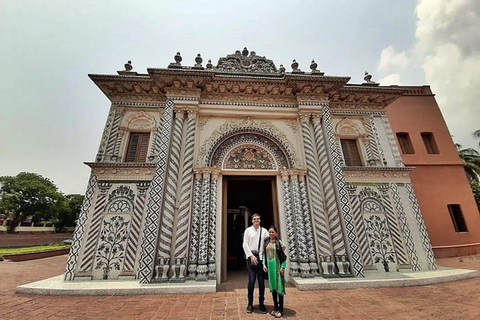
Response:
column 453, row 300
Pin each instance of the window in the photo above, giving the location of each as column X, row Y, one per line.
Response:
column 350, row 152
column 137, row 147
column 405, row 143
column 457, row 218
column 429, row 142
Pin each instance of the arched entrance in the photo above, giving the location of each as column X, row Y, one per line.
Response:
column 244, row 195
column 250, row 163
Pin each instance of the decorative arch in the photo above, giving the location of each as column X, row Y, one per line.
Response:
column 120, row 200
column 370, row 201
column 347, row 127
column 141, row 121
column 261, row 133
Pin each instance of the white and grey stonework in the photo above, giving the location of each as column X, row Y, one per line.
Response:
column 160, row 220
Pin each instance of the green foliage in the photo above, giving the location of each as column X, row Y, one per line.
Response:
column 475, row 185
column 68, row 211
column 30, row 194
column 46, row 247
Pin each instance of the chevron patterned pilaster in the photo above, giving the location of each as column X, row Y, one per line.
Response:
column 184, row 210
column 432, row 263
column 166, row 226
column 94, row 227
column 312, row 260
column 393, row 225
column 80, row 229
column 195, row 234
column 321, row 227
column 131, row 252
column 356, row 257
column 360, row 226
column 202, row 268
column 155, row 203
column 405, row 228
column 291, row 232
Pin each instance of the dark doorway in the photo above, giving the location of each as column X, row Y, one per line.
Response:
column 244, row 196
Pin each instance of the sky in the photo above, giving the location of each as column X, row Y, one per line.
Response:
column 52, row 115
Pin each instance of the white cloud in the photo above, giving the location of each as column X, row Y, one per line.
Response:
column 393, row 78
column 389, row 60
column 447, row 34
column 447, row 50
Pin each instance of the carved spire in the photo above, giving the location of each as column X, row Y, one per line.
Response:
column 281, row 69
column 241, row 61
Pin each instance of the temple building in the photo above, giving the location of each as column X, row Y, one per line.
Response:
column 188, row 153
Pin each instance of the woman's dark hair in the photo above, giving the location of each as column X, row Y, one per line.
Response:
column 274, row 228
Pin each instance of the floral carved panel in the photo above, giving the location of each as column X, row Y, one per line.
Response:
column 249, row 157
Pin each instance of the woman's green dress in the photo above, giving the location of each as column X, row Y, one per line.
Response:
column 276, row 281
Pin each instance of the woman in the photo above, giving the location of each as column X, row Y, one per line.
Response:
column 275, row 263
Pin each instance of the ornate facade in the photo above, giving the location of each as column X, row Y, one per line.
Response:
column 155, row 207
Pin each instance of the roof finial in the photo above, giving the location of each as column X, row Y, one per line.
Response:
column 209, row 64
column 368, row 78
column 295, row 65
column 128, row 66
column 245, row 51
column 178, row 58
column 281, row 69
column 198, row 61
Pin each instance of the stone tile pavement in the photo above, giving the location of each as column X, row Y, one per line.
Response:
column 453, row 300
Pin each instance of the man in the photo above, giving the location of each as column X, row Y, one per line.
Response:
column 251, row 238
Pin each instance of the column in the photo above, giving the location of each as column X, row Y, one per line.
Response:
column 299, row 227
column 202, row 269
column 195, row 233
column 317, row 199
column 291, row 232
column 312, row 260
column 184, row 207
column 166, row 225
column 155, row 203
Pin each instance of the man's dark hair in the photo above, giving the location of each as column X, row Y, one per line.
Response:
column 255, row 215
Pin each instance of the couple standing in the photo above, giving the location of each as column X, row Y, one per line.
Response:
column 265, row 252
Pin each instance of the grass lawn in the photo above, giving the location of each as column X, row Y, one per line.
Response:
column 41, row 248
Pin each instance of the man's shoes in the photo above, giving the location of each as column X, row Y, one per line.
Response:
column 263, row 309
column 250, row 308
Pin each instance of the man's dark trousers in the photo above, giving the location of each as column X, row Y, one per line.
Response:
column 253, row 274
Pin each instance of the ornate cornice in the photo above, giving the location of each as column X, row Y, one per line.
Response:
column 127, row 171
column 377, row 174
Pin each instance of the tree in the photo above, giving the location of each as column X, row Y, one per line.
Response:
column 471, row 162
column 28, row 194
column 68, row 211
column 471, row 165
column 476, row 134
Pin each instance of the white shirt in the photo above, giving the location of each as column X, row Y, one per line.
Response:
column 250, row 240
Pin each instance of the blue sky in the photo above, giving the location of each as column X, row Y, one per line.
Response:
column 52, row 115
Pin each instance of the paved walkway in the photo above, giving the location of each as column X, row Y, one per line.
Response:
column 454, row 300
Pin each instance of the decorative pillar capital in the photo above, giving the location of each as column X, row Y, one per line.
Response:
column 192, row 113
column 384, row 189
column 304, row 117
column 316, row 117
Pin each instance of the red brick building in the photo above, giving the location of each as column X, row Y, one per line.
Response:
column 443, row 193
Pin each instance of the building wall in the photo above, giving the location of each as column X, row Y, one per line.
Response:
column 439, row 179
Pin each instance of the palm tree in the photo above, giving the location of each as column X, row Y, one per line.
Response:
column 476, row 134
column 471, row 162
